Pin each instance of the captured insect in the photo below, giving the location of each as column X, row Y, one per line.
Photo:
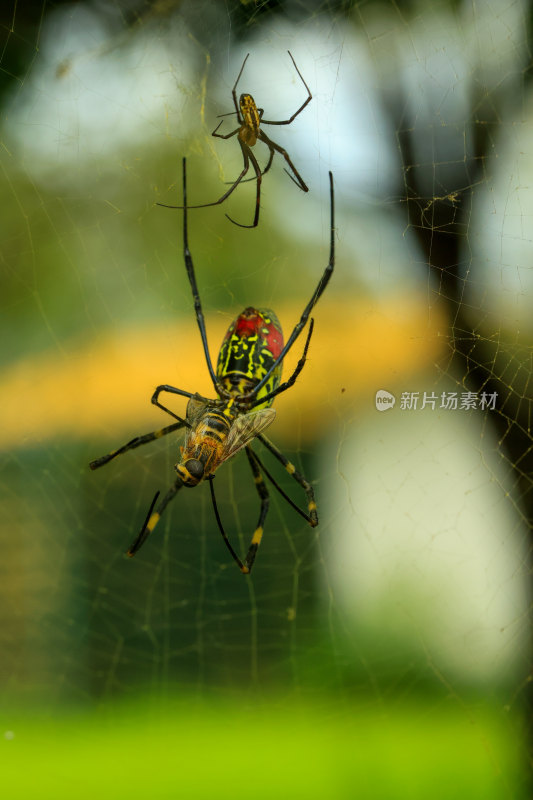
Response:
column 250, row 118
column 247, row 379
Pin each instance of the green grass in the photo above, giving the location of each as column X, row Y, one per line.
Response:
column 275, row 749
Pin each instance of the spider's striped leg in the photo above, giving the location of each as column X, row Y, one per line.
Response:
column 249, row 156
column 164, row 387
column 153, row 517
column 323, row 282
column 311, row 516
column 299, row 367
column 278, row 488
column 246, row 566
column 264, row 497
column 298, row 180
column 137, row 442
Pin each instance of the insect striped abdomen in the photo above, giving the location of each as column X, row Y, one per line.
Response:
column 252, row 344
column 204, row 444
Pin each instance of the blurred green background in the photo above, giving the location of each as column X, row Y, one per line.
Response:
column 385, row 654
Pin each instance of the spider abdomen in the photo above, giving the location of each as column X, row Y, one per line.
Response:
column 252, row 343
column 251, row 120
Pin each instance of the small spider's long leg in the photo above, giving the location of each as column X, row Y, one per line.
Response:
column 137, row 442
column 153, row 517
column 249, row 156
column 278, row 488
column 308, row 100
column 312, row 516
column 234, row 92
column 323, row 282
column 226, row 194
column 221, row 200
column 231, row 113
column 172, row 389
column 297, row 179
column 290, row 382
column 221, row 527
column 223, row 135
column 264, row 172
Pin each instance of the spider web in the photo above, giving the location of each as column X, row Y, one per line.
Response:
column 410, row 601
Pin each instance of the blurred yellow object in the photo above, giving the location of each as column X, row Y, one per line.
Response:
column 102, row 389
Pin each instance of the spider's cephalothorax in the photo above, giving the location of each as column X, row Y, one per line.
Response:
column 246, row 381
column 250, row 119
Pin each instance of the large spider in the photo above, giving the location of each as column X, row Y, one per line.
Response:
column 247, row 380
column 250, row 118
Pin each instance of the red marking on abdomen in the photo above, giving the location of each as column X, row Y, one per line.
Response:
column 274, row 340
column 253, row 323
column 248, row 325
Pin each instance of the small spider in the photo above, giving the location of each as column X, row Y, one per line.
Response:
column 250, row 118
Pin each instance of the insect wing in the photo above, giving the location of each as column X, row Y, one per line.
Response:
column 245, row 428
column 196, row 407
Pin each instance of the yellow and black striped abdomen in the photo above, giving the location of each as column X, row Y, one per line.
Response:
column 251, row 120
column 252, row 344
column 204, row 445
